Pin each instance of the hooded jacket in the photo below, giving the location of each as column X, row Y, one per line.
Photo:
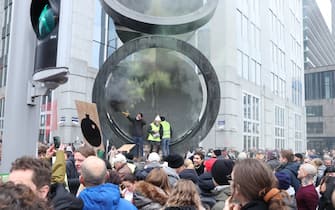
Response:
column 291, row 168
column 206, row 185
column 104, row 197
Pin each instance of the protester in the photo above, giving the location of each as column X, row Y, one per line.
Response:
column 121, row 166
column 221, row 172
column 206, row 187
column 71, row 171
column 97, row 194
column 155, row 133
column 189, row 172
column 287, row 165
column 214, row 156
column 166, row 136
column 284, row 183
column 299, row 158
column 184, row 196
column 152, row 193
column 79, row 156
column 113, row 177
column 153, row 161
column 273, row 161
column 307, row 197
column 128, row 187
column 327, row 189
column 198, row 162
column 321, row 168
column 254, row 187
column 242, row 156
column 20, row 197
column 37, row 175
column 137, row 132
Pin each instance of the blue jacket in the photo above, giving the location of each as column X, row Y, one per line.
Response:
column 104, row 197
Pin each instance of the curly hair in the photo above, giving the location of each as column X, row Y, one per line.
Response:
column 41, row 169
column 184, row 194
column 261, row 183
column 18, row 197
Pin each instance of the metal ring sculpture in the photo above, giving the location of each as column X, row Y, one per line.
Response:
column 146, row 24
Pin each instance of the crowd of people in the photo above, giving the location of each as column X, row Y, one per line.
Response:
column 82, row 178
column 77, row 178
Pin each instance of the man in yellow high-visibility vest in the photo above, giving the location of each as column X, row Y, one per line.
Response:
column 166, row 137
column 155, row 133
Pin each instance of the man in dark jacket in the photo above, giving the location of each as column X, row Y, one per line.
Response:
column 137, row 132
column 71, row 172
column 206, row 185
column 288, row 166
column 198, row 162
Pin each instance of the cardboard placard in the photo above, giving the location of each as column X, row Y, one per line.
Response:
column 84, row 108
column 126, row 148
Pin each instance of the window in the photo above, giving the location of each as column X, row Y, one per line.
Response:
column 252, row 68
column 314, row 111
column 5, row 43
column 298, row 132
column 46, row 115
column 258, row 73
column 239, row 24
column 251, row 123
column 248, row 67
column 239, row 62
column 245, row 66
column 279, row 128
column 244, row 27
column 320, row 85
column 104, row 38
column 2, row 116
column 315, row 127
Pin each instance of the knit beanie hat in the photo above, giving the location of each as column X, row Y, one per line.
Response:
column 217, row 152
column 157, row 118
column 221, row 169
column 284, row 180
column 174, row 160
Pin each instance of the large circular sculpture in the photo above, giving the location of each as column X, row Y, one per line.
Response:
column 169, row 17
column 197, row 105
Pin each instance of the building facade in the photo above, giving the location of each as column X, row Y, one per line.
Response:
column 319, row 57
column 260, row 65
column 256, row 49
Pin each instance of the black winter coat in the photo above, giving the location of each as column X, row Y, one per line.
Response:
column 61, row 199
column 255, row 205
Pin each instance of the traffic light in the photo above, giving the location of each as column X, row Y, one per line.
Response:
column 45, row 15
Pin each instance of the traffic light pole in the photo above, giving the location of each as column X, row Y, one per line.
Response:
column 21, row 125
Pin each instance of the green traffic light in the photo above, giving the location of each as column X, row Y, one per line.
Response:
column 46, row 21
